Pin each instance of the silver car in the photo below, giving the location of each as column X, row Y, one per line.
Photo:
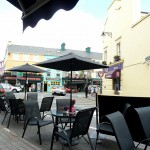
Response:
column 59, row 91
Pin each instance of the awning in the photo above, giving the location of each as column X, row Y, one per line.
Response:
column 35, row 10
column 113, row 74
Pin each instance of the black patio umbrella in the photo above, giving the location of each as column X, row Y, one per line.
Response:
column 71, row 62
column 34, row 10
column 26, row 68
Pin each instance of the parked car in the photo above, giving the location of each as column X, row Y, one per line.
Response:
column 59, row 91
column 68, row 90
column 14, row 89
column 4, row 90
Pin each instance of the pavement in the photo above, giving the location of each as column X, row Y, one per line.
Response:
column 10, row 139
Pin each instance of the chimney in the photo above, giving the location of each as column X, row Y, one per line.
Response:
column 88, row 49
column 63, row 46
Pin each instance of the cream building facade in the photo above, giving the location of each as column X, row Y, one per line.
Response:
column 126, row 34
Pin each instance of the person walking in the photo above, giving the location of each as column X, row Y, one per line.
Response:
column 86, row 89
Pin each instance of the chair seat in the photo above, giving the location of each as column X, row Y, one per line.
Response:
column 105, row 129
column 63, row 135
column 41, row 122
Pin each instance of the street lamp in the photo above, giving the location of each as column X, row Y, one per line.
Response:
column 107, row 33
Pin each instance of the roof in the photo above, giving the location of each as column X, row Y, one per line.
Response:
column 51, row 51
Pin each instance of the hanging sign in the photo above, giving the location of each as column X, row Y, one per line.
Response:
column 100, row 74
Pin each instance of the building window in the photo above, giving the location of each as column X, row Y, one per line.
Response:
column 118, row 48
column 15, row 56
column 35, row 57
column 26, row 57
column 55, row 83
column 58, row 75
column 105, row 55
column 48, row 73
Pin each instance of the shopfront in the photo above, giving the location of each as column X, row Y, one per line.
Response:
column 114, row 73
column 78, row 84
column 34, row 83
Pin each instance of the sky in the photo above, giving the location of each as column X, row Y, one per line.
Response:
column 79, row 28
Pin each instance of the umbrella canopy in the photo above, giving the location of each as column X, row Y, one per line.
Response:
column 26, row 68
column 34, row 10
column 71, row 62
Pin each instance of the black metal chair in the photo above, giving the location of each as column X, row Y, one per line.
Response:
column 32, row 96
column 105, row 127
column 46, row 104
column 121, row 131
column 33, row 117
column 60, row 106
column 79, row 129
column 16, row 109
column 4, row 106
column 144, row 120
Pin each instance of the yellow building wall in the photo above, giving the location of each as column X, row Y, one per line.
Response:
column 133, row 33
column 13, row 63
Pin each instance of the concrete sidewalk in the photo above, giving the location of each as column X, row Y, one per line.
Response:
column 11, row 141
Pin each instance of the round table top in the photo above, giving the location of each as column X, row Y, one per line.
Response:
column 63, row 114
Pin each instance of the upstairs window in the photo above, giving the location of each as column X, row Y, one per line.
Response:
column 26, row 57
column 15, row 56
column 36, row 58
column 58, row 75
column 48, row 73
column 118, row 49
column 105, row 55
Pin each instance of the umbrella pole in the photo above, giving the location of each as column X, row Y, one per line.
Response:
column 25, row 85
column 71, row 90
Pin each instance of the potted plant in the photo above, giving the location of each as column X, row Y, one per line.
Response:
column 104, row 62
column 116, row 57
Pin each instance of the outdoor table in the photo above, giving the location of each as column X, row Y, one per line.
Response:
column 63, row 114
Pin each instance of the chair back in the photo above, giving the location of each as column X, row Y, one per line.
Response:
column 4, row 106
column 121, row 131
column 32, row 96
column 13, row 106
column 32, row 109
column 82, row 122
column 46, row 104
column 17, row 106
column 61, row 103
column 10, row 95
column 144, row 118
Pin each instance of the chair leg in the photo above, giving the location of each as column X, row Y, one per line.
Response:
column 90, row 141
column 52, row 139
column 96, row 139
column 39, row 135
column 25, row 127
column 4, row 117
column 9, row 121
column 145, row 147
column 69, row 143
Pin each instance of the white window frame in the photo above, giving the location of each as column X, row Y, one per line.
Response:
column 15, row 56
column 36, row 58
column 118, row 49
column 26, row 57
column 105, row 55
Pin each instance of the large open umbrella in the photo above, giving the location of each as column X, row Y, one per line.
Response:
column 34, row 10
column 26, row 68
column 71, row 62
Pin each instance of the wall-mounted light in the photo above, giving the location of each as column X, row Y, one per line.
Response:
column 107, row 33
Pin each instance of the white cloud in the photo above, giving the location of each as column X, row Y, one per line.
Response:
column 77, row 29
